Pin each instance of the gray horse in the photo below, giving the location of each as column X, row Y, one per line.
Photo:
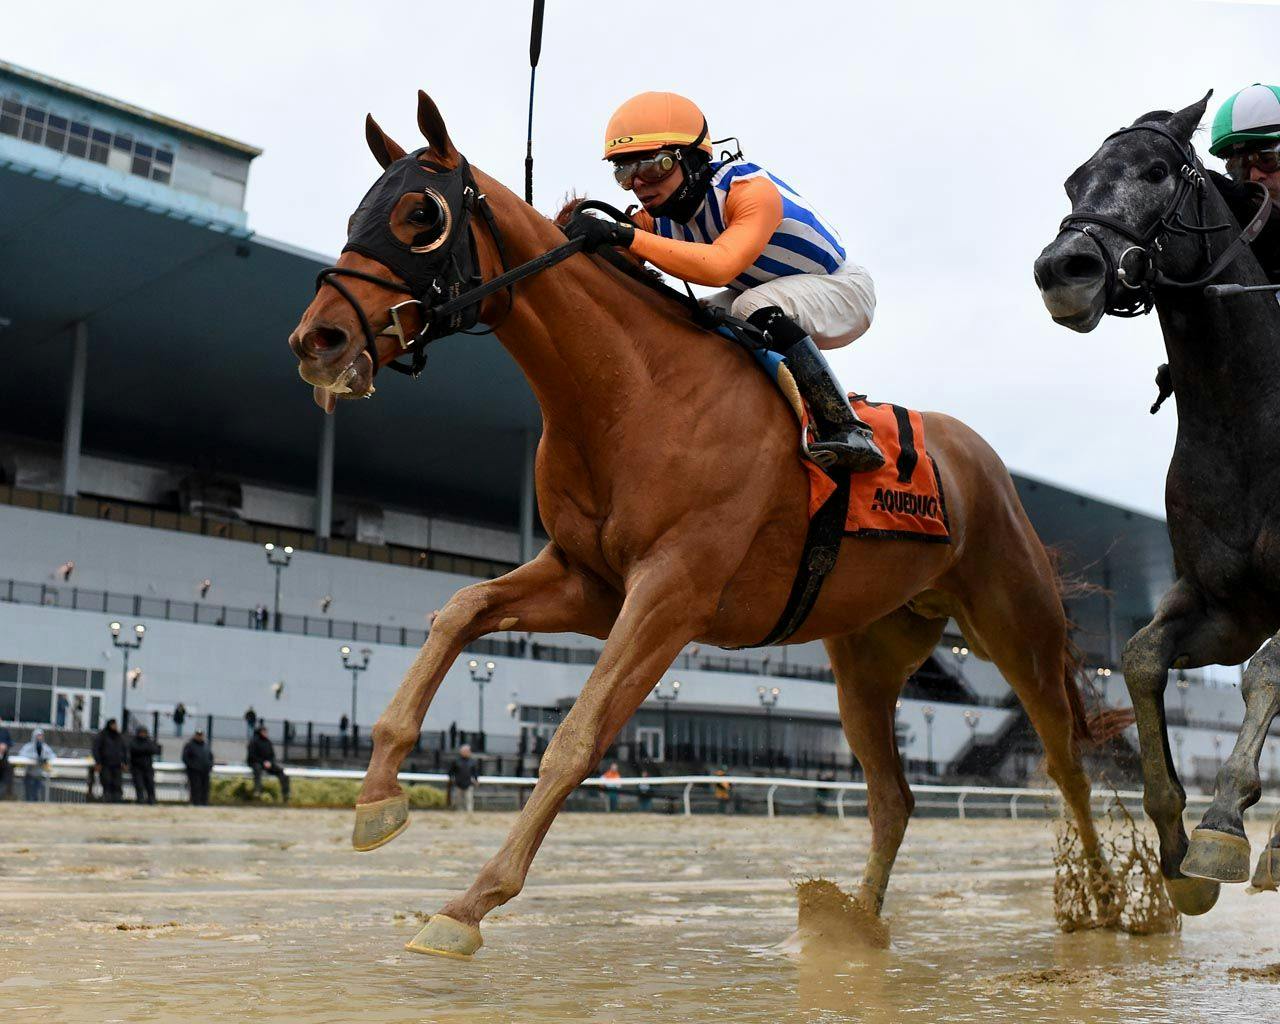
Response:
column 1149, row 228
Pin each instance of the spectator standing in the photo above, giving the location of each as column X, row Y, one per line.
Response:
column 6, row 767
column 612, row 785
column 453, row 735
column 36, row 780
column 723, row 791
column 142, row 752
column 344, row 723
column 61, row 707
column 463, row 775
column 109, row 756
column 250, row 721
column 262, row 759
column 197, row 758
column 179, row 716
column 77, row 714
column 644, row 792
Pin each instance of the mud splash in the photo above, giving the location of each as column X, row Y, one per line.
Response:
column 1122, row 892
column 833, row 923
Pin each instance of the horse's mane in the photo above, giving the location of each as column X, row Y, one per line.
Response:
column 627, row 266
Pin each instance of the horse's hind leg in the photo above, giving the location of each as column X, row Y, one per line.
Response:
column 1219, row 848
column 545, row 595
column 1013, row 614
column 870, row 669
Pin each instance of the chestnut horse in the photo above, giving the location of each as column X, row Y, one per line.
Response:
column 669, row 481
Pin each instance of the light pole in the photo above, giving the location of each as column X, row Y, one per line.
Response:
column 971, row 719
column 481, row 679
column 929, row 712
column 1183, row 684
column 768, row 701
column 125, row 647
column 666, row 699
column 961, row 654
column 278, row 558
column 355, row 669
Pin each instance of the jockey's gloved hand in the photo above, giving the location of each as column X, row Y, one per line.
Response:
column 599, row 232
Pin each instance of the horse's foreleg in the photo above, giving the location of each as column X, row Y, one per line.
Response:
column 1219, row 849
column 545, row 595
column 656, row 621
column 1181, row 635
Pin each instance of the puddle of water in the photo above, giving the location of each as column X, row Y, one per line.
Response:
column 229, row 913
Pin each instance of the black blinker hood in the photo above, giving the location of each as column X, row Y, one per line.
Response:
column 437, row 267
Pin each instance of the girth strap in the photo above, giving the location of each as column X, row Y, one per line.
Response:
column 821, row 549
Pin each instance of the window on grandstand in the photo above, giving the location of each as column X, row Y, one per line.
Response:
column 27, row 691
column 76, row 138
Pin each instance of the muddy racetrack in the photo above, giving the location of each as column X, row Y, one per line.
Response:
column 182, row 914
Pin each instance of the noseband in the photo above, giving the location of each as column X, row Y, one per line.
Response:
column 1131, row 290
column 440, row 274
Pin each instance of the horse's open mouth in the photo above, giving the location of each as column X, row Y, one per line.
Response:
column 354, row 380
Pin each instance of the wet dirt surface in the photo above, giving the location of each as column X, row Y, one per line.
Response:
column 184, row 914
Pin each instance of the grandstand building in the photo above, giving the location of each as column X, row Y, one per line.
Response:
column 154, row 436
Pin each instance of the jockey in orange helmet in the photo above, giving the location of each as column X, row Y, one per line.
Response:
column 733, row 225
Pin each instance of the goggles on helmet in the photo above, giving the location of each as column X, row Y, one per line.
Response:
column 1266, row 159
column 651, row 169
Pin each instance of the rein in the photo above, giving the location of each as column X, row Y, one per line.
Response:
column 1144, row 279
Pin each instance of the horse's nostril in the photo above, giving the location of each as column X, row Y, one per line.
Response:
column 1082, row 266
column 325, row 339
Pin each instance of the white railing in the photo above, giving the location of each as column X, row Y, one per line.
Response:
column 960, row 799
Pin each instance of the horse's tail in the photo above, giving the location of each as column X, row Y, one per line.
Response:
column 1084, row 728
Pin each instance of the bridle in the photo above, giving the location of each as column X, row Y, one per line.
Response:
column 436, row 271
column 441, row 277
column 1131, row 291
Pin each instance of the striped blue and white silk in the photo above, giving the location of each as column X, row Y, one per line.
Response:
column 804, row 242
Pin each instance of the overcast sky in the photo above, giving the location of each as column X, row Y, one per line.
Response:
column 935, row 136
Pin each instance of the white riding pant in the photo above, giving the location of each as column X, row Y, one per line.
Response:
column 833, row 309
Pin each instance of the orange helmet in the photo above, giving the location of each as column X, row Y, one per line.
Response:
column 654, row 120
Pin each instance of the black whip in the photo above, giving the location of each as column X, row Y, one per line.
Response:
column 535, row 51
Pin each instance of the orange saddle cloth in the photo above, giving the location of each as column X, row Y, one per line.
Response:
column 901, row 500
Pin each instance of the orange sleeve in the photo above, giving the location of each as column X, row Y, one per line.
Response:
column 752, row 214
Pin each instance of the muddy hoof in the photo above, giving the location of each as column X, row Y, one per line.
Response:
column 1218, row 856
column 443, row 936
column 1192, row 896
column 380, row 822
column 1266, row 876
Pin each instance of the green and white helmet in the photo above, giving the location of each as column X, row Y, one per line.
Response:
column 1249, row 115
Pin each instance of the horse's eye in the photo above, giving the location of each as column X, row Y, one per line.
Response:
column 425, row 216
column 1156, row 173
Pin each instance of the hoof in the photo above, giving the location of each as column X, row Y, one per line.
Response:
column 1192, row 896
column 1218, row 856
column 1266, row 876
column 443, row 936
column 380, row 822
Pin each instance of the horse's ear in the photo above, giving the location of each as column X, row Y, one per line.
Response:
column 385, row 149
column 433, row 129
column 1187, row 120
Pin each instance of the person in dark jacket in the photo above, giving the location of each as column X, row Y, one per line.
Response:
column 262, row 759
column 142, row 751
column 179, row 716
column 109, row 755
column 462, row 776
column 197, row 758
column 6, row 768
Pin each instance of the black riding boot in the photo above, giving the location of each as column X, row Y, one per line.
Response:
column 843, row 439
